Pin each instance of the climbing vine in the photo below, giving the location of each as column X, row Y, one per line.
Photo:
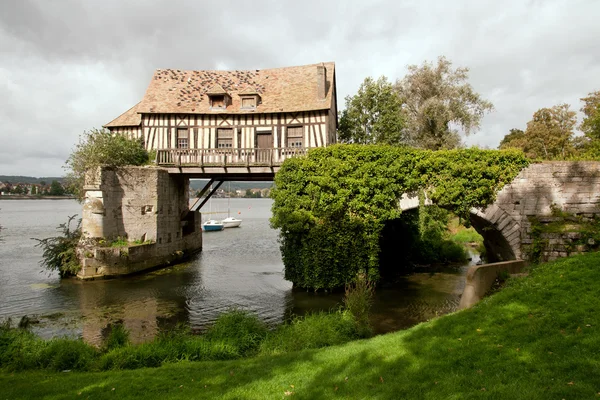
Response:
column 331, row 205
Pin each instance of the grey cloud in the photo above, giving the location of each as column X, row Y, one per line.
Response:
column 69, row 65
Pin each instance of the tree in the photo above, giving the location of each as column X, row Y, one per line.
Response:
column 514, row 140
column 591, row 120
column 56, row 189
column 373, row 115
column 549, row 134
column 100, row 147
column 438, row 100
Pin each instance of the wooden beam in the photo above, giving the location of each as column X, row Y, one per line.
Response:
column 209, row 195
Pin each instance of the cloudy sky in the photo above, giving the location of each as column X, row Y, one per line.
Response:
column 68, row 66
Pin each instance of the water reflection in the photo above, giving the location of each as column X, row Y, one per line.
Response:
column 238, row 268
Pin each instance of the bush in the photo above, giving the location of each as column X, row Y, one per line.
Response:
column 358, row 301
column 59, row 252
column 100, row 147
column 238, row 329
column 311, row 332
column 20, row 349
column 68, row 354
column 118, row 337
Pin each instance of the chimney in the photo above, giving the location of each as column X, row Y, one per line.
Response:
column 321, row 82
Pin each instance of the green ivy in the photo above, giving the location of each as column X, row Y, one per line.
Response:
column 331, row 205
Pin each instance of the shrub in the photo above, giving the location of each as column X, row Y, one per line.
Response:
column 68, row 354
column 100, row 147
column 118, row 337
column 59, row 252
column 311, row 332
column 238, row 329
column 358, row 300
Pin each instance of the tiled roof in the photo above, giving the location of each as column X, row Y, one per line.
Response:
column 286, row 89
column 130, row 117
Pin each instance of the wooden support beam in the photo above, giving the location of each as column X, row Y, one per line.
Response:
column 209, row 195
column 194, row 206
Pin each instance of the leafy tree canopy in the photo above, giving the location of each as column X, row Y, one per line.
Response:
column 514, row 140
column 56, row 189
column 100, row 147
column 332, row 204
column 438, row 100
column 549, row 135
column 591, row 120
column 373, row 115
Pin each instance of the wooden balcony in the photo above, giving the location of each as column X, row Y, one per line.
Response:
column 227, row 164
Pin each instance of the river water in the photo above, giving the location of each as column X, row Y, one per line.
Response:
column 238, row 268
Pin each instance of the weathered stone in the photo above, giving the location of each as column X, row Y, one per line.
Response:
column 128, row 203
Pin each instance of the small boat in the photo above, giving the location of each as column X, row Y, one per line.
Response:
column 212, row 225
column 231, row 222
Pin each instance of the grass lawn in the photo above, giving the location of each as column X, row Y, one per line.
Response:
column 538, row 338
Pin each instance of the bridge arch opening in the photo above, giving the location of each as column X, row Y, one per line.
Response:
column 400, row 240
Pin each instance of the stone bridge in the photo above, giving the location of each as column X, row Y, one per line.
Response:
column 150, row 208
column 544, row 193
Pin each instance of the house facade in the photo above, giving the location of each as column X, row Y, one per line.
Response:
column 236, row 116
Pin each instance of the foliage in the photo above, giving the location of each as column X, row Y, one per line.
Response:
column 549, row 134
column 58, row 252
column 590, row 125
column 589, row 144
column 99, row 147
column 118, row 337
column 373, row 115
column 467, row 236
column 437, row 98
column 235, row 334
column 515, row 139
column 425, row 240
column 312, row 331
column 358, row 300
column 238, row 329
column 56, row 189
column 332, row 205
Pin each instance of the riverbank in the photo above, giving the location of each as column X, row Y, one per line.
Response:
column 35, row 197
column 538, row 338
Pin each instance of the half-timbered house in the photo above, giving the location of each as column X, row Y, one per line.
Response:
column 234, row 117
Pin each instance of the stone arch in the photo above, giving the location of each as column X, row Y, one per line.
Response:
column 501, row 233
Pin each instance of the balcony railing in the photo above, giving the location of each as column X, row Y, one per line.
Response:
column 227, row 157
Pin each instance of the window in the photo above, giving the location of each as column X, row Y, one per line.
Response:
column 217, row 101
column 248, row 102
column 295, row 136
column 224, row 138
column 182, row 139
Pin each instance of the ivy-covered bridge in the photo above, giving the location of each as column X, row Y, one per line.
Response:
column 331, row 207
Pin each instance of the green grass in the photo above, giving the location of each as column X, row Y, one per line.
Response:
column 539, row 338
column 461, row 234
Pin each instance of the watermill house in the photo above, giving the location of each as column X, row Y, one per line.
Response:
column 234, row 117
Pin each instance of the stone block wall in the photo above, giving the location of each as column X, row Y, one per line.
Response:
column 143, row 204
column 539, row 196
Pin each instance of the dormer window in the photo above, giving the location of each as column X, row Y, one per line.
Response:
column 249, row 102
column 217, row 101
column 249, row 98
column 218, row 97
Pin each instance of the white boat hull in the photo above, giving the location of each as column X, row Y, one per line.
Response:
column 231, row 222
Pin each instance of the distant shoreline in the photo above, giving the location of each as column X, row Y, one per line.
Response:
column 18, row 197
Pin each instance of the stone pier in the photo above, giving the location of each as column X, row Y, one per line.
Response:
column 146, row 210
